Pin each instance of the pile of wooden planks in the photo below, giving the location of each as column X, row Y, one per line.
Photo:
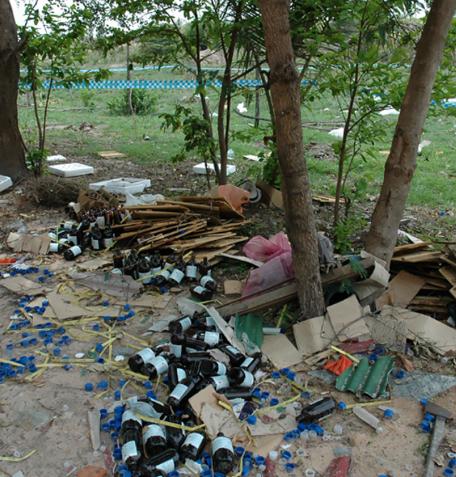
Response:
column 425, row 278
column 206, row 226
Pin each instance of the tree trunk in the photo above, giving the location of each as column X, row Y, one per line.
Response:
column 12, row 159
column 401, row 163
column 257, row 101
column 285, row 92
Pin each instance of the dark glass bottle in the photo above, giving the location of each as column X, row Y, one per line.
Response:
column 219, row 382
column 175, row 437
column 138, row 360
column 241, row 377
column 252, row 363
column 162, row 463
column 212, row 338
column 201, row 293
column 191, row 270
column 155, row 367
column 209, row 367
column 237, row 393
column 176, row 374
column 236, row 357
column 154, row 439
column 108, row 237
column 222, row 454
column 155, row 263
column 96, row 238
column 182, row 392
column 74, row 235
column 192, row 446
column 73, row 252
column 180, row 325
column 317, row 410
column 118, row 261
column 130, row 439
column 144, row 271
column 178, row 274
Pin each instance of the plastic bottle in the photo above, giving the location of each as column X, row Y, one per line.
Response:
column 138, row 360
column 73, row 252
column 317, row 410
column 130, row 438
column 368, row 418
column 241, row 377
column 222, row 454
column 154, row 439
column 155, row 367
column 192, row 446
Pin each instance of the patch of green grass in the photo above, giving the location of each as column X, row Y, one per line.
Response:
column 432, row 187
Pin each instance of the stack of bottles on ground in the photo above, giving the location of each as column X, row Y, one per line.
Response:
column 149, row 445
column 96, row 231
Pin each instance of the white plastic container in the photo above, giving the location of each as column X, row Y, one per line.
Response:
column 5, row 183
column 56, row 158
column 73, row 169
column 201, row 168
column 122, row 185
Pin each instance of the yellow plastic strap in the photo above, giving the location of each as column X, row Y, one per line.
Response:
column 154, row 420
column 281, row 404
column 348, row 355
column 17, row 459
column 367, row 404
column 12, row 363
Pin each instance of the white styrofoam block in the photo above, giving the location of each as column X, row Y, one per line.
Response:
column 122, row 185
column 73, row 169
column 56, row 158
column 5, row 183
column 201, row 168
column 339, row 133
column 389, row 112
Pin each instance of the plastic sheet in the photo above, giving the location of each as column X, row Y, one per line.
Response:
column 260, row 248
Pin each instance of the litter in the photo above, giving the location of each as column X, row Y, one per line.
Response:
column 202, row 169
column 122, row 185
column 5, row 183
column 56, row 158
column 73, row 169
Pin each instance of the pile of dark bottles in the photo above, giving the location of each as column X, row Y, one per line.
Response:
column 186, row 366
column 93, row 232
column 167, row 271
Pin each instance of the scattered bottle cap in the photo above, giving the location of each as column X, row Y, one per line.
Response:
column 452, row 463
column 88, row 387
column 274, row 402
column 117, row 395
column 252, row 420
column 285, row 454
column 388, row 413
column 103, row 413
column 448, row 472
column 342, row 405
column 103, row 385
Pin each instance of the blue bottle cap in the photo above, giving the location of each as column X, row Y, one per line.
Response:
column 423, row 401
column 264, row 395
column 285, row 455
column 275, row 375
column 425, row 426
column 118, row 411
column 306, row 395
column 452, row 463
column 448, row 472
column 103, row 385
column 151, row 395
column 252, row 419
column 56, row 351
column 122, row 382
column 238, row 450
column 100, row 360
column 388, row 413
column 105, row 303
column 147, row 384
column 260, row 460
column 88, row 387
column 400, row 373
column 288, row 436
column 96, row 327
column 131, row 313
column 289, row 467
column 274, row 402
column 429, row 417
column 284, row 371
column 256, row 393
column 103, row 413
column 98, row 347
column 126, row 307
column 117, row 395
column 341, row 405
column 32, row 368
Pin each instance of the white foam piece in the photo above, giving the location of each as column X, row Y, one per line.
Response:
column 122, row 185
column 389, row 112
column 241, row 108
column 339, row 133
column 201, row 168
column 56, row 158
column 73, row 169
column 5, row 183
column 424, row 143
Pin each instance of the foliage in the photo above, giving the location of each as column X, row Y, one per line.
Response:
column 345, row 231
column 87, row 98
column 35, row 160
column 195, row 129
column 142, row 103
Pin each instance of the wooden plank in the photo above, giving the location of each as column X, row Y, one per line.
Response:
column 419, row 257
column 403, row 249
column 450, row 262
column 453, row 291
column 436, row 301
column 286, row 291
column 449, row 274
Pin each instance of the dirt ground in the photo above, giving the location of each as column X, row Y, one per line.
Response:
column 48, row 414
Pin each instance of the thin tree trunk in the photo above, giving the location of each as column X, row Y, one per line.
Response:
column 285, row 92
column 12, row 158
column 401, row 163
column 257, row 101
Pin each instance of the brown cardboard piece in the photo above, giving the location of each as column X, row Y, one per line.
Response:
column 64, row 309
column 155, row 301
column 232, row 287
column 280, row 351
column 270, row 194
column 438, row 335
column 312, row 335
column 94, row 264
column 369, row 289
column 345, row 318
column 36, row 244
column 401, row 290
column 22, row 285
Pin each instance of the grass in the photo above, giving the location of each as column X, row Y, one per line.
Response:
column 432, row 187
